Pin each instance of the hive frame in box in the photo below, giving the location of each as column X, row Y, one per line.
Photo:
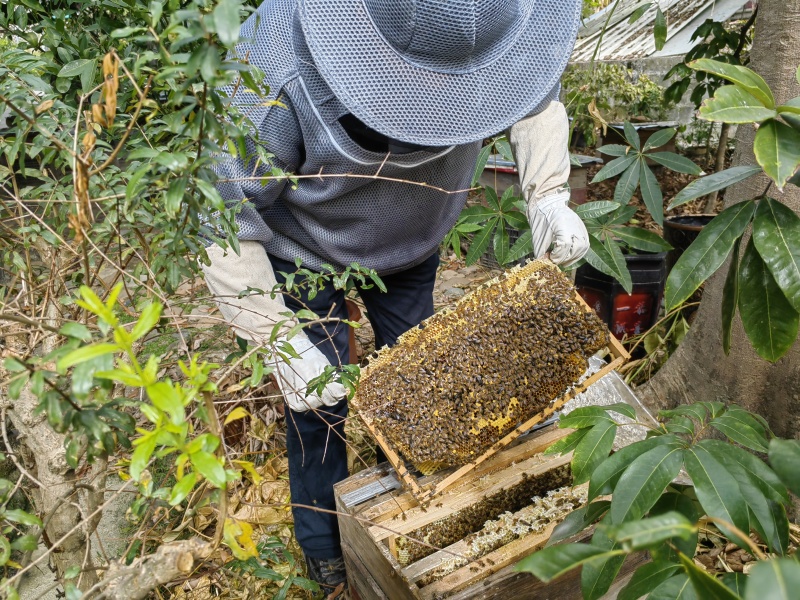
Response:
column 424, row 494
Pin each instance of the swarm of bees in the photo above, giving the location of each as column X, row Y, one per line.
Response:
column 470, row 519
column 469, row 375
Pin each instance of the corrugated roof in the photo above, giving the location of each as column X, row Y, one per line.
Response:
column 623, row 40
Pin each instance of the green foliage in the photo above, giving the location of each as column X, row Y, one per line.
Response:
column 733, row 488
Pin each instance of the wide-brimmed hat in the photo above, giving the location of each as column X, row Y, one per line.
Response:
column 440, row 72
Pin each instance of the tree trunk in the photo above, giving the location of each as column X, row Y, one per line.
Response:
column 699, row 370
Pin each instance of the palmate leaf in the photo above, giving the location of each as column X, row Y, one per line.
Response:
column 481, row 241
column 731, row 104
column 651, row 194
column 501, row 243
column 615, row 252
column 615, row 167
column 745, row 78
column 777, row 150
column 641, row 239
column 730, row 298
column 718, row 492
column 627, row 183
column 659, row 138
column 777, row 579
column 596, row 208
column 707, row 253
column 522, row 247
column 713, row 183
column 480, row 165
column 776, row 235
column 770, row 321
column 599, row 257
column 675, row 162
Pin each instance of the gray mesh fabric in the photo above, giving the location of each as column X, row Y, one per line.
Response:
column 441, row 72
column 380, row 224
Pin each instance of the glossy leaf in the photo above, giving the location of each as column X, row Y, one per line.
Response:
column 736, row 582
column 646, row 579
column 681, row 503
column 770, row 322
column 578, row 520
column 77, row 68
column 226, row 21
column 181, row 489
column 677, row 587
column 784, row 457
column 675, row 162
column 739, row 426
column 743, row 77
column 641, row 239
column 777, row 579
column 549, row 563
column 777, row 150
column 713, row 183
column 707, row 253
column 592, row 450
column 659, row 138
column 627, row 184
column 732, row 104
column 706, row 586
column 651, row 194
column 209, row 467
column 717, row 491
column 730, row 298
column 596, row 208
column 147, row 320
column 615, row 167
column 605, row 477
column 644, row 481
column 652, row 532
column 585, row 416
column 86, row 353
column 776, row 235
column 759, row 474
column 598, row 575
column 567, row 444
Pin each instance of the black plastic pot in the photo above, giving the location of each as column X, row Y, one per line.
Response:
column 680, row 232
column 626, row 314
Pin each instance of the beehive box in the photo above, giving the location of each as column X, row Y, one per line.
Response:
column 520, row 494
column 474, row 377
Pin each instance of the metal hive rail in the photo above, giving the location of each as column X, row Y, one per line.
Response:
column 456, row 386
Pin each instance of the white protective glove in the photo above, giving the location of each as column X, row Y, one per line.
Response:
column 254, row 316
column 540, row 143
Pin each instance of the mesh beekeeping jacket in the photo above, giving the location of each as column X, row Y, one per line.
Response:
column 455, row 386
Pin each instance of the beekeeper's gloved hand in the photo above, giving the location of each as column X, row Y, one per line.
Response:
column 254, row 316
column 540, row 143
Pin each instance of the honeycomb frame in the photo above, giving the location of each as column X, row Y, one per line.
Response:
column 513, row 287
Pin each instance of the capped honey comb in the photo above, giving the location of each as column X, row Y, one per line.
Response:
column 451, row 388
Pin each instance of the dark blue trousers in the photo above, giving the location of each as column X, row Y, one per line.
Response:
column 315, row 439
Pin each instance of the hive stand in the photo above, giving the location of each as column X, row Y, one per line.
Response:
column 370, row 528
column 424, row 493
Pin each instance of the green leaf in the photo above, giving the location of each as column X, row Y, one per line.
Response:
column 678, row 502
column 717, row 491
column 744, row 78
column 643, row 482
column 549, row 563
column 677, row 587
column 16, row 515
column 168, row 398
column 500, row 243
column 675, row 162
column 600, row 258
column 585, row 416
column 770, row 321
column 651, row 194
column 758, row 474
column 84, row 354
column 707, row 253
column 5, row 550
column 731, row 104
column 606, row 475
column 614, row 149
column 481, row 242
column 596, row 208
column 483, row 157
column 226, row 21
column 777, row 579
column 141, row 455
column 598, row 575
column 706, row 586
column 615, row 167
column 776, row 234
column 25, row 543
column 735, row 582
column 777, row 150
column 76, row 68
column 646, row 579
column 181, row 489
column 627, row 183
column 784, row 457
column 76, row 330
column 631, row 136
column 660, row 29
column 738, row 428
column 659, row 138
column 147, row 320
column 173, row 197
column 648, row 533
column 712, row 183
column 642, row 239
column 522, row 247
column 621, row 408
column 566, row 444
column 578, row 520
column 209, row 467
column 592, row 450
column 730, row 298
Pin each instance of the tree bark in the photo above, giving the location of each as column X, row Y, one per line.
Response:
column 699, row 370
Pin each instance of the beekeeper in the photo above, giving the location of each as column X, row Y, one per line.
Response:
column 370, row 92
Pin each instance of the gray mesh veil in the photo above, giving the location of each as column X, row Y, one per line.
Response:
column 440, row 72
